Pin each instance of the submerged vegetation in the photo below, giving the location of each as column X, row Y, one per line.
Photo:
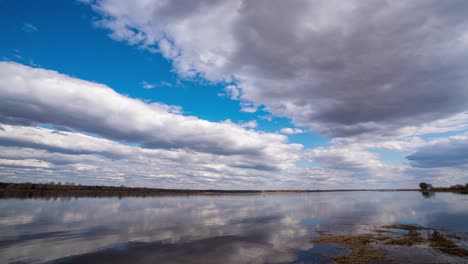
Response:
column 406, row 227
column 409, row 239
column 361, row 252
column 371, row 247
column 441, row 243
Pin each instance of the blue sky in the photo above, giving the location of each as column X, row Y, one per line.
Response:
column 307, row 103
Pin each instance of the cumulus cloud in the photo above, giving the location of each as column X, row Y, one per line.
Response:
column 97, row 136
column 369, row 74
column 232, row 92
column 248, row 108
column 28, row 27
column 73, row 156
column 343, row 68
column 451, row 152
column 174, row 109
column 34, row 96
column 61, row 142
column 345, row 159
column 23, row 163
column 291, row 131
column 250, row 124
column 74, row 143
column 148, row 85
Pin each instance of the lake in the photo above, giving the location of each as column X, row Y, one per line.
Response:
column 274, row 228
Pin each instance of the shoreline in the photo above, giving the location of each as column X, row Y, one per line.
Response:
column 32, row 190
column 25, row 190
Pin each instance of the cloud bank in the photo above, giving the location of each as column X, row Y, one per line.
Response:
column 344, row 69
column 34, row 96
column 451, row 152
column 55, row 126
column 383, row 80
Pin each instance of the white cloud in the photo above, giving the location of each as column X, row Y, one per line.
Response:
column 345, row 159
column 232, row 92
column 28, row 27
column 32, row 95
column 327, row 65
column 24, row 163
column 148, row 85
column 451, row 152
column 251, row 124
column 72, row 156
column 65, row 155
column 119, row 147
column 248, row 159
column 247, row 107
column 291, row 131
column 173, row 109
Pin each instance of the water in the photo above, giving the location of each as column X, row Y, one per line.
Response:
column 209, row 229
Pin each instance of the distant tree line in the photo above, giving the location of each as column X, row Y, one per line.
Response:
column 70, row 189
column 56, row 189
column 425, row 187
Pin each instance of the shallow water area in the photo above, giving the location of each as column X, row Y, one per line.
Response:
column 273, row 228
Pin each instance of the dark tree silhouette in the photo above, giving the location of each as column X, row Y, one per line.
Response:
column 424, row 186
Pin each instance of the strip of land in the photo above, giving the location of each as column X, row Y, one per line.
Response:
column 26, row 190
column 47, row 189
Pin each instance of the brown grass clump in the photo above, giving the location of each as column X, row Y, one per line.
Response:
column 361, row 255
column 362, row 251
column 407, row 227
column 381, row 231
column 441, row 243
column 364, row 246
column 353, row 241
column 410, row 239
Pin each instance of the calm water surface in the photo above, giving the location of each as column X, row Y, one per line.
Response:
column 208, row 229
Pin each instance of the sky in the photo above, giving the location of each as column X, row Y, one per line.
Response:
column 233, row 94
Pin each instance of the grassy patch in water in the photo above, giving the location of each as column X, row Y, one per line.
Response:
column 410, row 239
column 441, row 243
column 364, row 246
column 362, row 252
column 380, row 231
column 407, row 227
